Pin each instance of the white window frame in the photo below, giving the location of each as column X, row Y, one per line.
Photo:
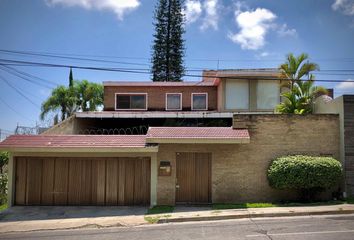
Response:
column 180, row 101
column 129, row 109
column 206, row 99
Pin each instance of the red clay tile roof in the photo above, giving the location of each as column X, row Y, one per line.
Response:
column 197, row 133
column 73, row 141
column 159, row 84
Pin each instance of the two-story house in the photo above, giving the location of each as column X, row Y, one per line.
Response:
column 131, row 107
column 166, row 143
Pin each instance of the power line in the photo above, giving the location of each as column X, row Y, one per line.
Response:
column 66, row 55
column 72, row 58
column 14, row 110
column 18, row 91
column 13, row 72
column 142, row 71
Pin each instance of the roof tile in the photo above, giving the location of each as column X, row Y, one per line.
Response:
column 197, row 132
column 73, row 141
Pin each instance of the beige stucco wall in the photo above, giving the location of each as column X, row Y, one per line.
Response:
column 239, row 170
column 71, row 125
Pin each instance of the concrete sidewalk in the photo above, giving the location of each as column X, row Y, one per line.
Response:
column 21, row 219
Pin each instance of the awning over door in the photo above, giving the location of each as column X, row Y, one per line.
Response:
column 214, row 135
column 76, row 143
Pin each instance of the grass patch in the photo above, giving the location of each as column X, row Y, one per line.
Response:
column 160, row 210
column 155, row 219
column 219, row 206
column 3, row 207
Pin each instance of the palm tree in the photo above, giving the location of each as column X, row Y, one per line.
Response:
column 302, row 93
column 81, row 96
column 63, row 99
column 301, row 97
column 295, row 68
column 89, row 95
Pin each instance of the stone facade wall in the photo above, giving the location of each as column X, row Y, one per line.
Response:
column 239, row 170
column 157, row 96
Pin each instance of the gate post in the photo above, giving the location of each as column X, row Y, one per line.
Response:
column 153, row 181
column 10, row 181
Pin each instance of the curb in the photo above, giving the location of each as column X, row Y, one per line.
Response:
column 251, row 215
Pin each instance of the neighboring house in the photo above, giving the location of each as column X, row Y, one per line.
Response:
column 135, row 106
column 205, row 142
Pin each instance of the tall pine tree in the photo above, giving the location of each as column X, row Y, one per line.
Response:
column 168, row 48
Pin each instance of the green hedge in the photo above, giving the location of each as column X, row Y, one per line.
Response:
column 3, row 188
column 304, row 172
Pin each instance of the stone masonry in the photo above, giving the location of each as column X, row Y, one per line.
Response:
column 239, row 170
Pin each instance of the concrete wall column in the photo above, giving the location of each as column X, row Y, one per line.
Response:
column 11, row 181
column 153, row 180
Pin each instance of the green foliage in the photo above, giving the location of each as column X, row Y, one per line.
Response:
column 160, row 209
column 220, row 206
column 89, row 95
column 62, row 98
column 81, row 96
column 302, row 93
column 168, row 47
column 4, row 160
column 304, row 172
column 3, row 188
column 3, row 207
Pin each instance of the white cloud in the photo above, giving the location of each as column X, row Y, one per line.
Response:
column 344, row 6
column 192, row 11
column 211, row 15
column 254, row 26
column 264, row 54
column 346, row 86
column 119, row 7
column 284, row 31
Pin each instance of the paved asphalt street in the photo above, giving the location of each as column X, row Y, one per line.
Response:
column 338, row 227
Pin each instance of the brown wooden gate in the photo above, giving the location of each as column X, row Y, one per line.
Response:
column 193, row 178
column 82, row 181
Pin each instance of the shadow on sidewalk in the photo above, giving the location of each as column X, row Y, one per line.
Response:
column 26, row 213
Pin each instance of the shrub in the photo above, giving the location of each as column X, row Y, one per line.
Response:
column 3, row 188
column 4, row 160
column 308, row 174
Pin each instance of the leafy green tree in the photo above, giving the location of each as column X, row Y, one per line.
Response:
column 301, row 94
column 82, row 96
column 63, row 99
column 168, row 47
column 89, row 95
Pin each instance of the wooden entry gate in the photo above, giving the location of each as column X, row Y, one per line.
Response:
column 193, row 172
column 82, row 181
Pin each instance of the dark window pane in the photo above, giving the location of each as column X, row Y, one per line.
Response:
column 123, row 101
column 173, row 101
column 138, row 102
column 199, row 102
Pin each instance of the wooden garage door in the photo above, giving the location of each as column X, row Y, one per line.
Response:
column 82, row 181
column 193, row 178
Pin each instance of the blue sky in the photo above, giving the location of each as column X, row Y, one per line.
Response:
column 248, row 34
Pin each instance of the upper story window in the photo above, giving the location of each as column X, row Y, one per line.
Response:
column 268, row 94
column 199, row 101
column 131, row 101
column 237, row 94
column 251, row 95
column 173, row 101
